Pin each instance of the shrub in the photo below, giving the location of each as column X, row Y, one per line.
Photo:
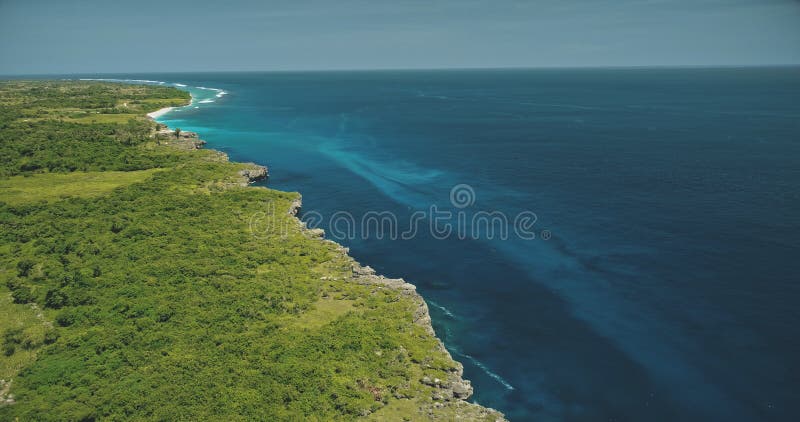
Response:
column 65, row 318
column 11, row 339
column 55, row 299
column 20, row 292
column 50, row 336
column 24, row 267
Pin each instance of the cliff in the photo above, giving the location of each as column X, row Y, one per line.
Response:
column 142, row 277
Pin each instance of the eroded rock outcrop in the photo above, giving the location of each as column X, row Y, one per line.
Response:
column 454, row 389
column 295, row 206
column 254, row 173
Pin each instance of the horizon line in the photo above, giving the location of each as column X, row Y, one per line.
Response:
column 412, row 69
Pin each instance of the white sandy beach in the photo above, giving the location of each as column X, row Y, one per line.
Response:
column 158, row 113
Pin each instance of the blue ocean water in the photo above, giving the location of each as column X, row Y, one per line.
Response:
column 663, row 280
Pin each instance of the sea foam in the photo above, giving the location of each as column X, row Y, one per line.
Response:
column 488, row 371
column 443, row 309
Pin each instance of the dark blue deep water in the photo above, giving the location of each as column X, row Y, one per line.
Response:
column 668, row 286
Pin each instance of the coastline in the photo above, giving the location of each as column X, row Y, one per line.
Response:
column 455, row 388
column 160, row 112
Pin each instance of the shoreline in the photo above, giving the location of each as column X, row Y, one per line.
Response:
column 455, row 386
column 160, row 112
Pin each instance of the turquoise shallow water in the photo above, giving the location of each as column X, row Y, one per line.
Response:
column 662, row 283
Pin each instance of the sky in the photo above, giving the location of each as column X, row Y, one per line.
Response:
column 91, row 36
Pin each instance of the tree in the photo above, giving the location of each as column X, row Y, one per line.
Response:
column 24, row 267
column 55, row 299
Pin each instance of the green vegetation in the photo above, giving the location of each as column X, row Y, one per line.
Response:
column 56, row 186
column 132, row 287
column 67, row 127
column 24, row 331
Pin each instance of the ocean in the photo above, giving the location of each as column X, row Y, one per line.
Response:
column 655, row 274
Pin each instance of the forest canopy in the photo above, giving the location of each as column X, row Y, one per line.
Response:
column 131, row 286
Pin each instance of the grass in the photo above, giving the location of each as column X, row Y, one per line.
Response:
column 399, row 410
column 56, row 186
column 86, row 120
column 324, row 311
column 411, row 410
column 104, row 118
column 21, row 317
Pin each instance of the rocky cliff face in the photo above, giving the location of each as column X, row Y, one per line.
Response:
column 185, row 140
column 454, row 389
column 254, row 173
column 449, row 395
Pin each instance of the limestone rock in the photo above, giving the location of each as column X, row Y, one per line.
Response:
column 461, row 389
column 296, row 205
column 363, row 271
column 254, row 173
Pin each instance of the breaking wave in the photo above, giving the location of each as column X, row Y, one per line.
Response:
column 486, row 370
